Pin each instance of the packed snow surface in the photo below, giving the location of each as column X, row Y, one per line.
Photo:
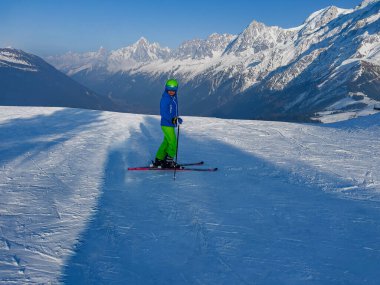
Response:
column 290, row 203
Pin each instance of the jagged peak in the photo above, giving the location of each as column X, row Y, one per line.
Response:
column 322, row 17
column 15, row 53
column 142, row 42
column 255, row 26
column 328, row 12
column 11, row 49
column 214, row 35
column 217, row 35
column 102, row 49
column 19, row 59
column 365, row 3
column 318, row 13
column 258, row 29
column 210, row 38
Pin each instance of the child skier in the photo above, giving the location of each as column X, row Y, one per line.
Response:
column 169, row 120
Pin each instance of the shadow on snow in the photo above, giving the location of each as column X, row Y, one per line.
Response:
column 245, row 224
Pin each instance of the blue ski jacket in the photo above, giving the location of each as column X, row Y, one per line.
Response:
column 168, row 109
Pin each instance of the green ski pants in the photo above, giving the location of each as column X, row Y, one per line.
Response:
column 169, row 144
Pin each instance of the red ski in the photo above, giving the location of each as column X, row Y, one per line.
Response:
column 183, row 167
column 172, row 169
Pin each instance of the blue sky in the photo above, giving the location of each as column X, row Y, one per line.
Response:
column 46, row 27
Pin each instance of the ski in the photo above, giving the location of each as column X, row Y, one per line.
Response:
column 192, row 163
column 172, row 169
column 181, row 164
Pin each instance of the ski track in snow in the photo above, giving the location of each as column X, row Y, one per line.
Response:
column 290, row 203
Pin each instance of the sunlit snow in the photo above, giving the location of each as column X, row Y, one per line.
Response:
column 290, row 203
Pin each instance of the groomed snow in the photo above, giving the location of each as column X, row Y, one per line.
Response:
column 290, row 203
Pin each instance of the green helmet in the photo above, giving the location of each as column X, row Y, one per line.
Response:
column 171, row 85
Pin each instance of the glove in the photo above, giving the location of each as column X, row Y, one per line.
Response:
column 177, row 119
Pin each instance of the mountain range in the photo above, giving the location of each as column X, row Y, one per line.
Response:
column 328, row 65
column 28, row 80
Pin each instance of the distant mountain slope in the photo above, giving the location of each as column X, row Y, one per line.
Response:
column 27, row 80
column 331, row 63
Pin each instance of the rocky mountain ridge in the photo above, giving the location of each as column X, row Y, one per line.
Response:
column 264, row 72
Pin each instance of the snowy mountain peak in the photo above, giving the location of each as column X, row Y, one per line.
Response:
column 319, row 14
column 142, row 42
column 215, row 37
column 102, row 50
column 219, row 42
column 255, row 26
column 140, row 52
column 365, row 3
column 254, row 30
column 28, row 80
column 17, row 59
column 200, row 48
column 320, row 18
column 258, row 37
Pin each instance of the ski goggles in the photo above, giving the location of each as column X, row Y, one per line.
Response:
column 171, row 88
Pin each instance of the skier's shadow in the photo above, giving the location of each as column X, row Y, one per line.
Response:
column 230, row 227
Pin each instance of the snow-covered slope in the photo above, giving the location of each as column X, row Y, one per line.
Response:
column 290, row 203
column 27, row 80
column 11, row 59
column 264, row 72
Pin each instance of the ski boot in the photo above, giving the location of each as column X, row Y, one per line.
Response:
column 158, row 163
column 170, row 163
